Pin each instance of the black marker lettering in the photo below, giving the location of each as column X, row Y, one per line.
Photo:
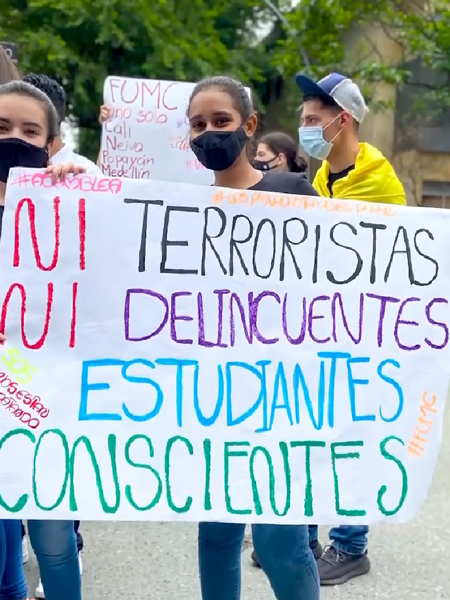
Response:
column 165, row 243
column 287, row 246
column 143, row 246
column 208, row 237
column 374, row 227
column 359, row 261
column 234, row 242
column 407, row 251
column 274, row 247
column 426, row 257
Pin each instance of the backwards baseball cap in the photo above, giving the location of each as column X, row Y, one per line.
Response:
column 338, row 88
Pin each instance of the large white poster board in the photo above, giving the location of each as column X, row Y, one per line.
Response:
column 185, row 352
column 146, row 135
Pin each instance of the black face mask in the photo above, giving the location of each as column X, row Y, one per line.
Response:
column 263, row 165
column 219, row 150
column 14, row 152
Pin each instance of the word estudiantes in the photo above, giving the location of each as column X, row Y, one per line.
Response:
column 280, row 245
column 214, row 462
column 233, row 311
column 290, row 398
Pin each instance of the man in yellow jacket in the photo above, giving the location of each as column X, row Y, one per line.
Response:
column 332, row 111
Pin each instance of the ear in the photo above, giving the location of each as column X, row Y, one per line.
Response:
column 283, row 159
column 50, row 147
column 250, row 125
column 346, row 119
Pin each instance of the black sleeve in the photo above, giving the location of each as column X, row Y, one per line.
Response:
column 303, row 187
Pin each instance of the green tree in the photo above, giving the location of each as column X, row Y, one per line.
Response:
column 81, row 42
column 421, row 28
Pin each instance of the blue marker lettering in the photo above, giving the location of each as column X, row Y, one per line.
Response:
column 87, row 387
column 395, row 384
column 237, row 420
column 208, row 421
column 334, row 357
column 280, row 378
column 132, row 379
column 352, row 383
column 179, row 364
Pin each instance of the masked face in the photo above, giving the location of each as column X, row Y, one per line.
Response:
column 313, row 141
column 266, row 161
column 23, row 134
column 14, row 152
column 217, row 135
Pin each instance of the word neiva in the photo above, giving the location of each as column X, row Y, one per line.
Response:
column 33, row 403
column 113, row 476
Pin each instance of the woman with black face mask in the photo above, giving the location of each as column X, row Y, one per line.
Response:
column 222, row 122
column 28, row 124
column 277, row 151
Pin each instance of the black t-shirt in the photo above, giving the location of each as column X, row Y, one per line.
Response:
column 2, row 210
column 333, row 177
column 285, row 183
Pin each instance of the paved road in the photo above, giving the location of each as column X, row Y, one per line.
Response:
column 158, row 561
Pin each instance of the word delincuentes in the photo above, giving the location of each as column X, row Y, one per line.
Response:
column 294, row 318
column 181, row 495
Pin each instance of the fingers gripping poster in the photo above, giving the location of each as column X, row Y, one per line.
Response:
column 180, row 352
column 146, row 134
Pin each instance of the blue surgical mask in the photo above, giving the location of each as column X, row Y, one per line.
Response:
column 313, row 142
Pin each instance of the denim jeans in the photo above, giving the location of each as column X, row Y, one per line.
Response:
column 350, row 539
column 55, row 546
column 283, row 552
column 13, row 586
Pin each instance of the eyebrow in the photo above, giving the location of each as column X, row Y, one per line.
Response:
column 219, row 113
column 26, row 123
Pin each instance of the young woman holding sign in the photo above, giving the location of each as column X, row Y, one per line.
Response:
column 28, row 125
column 222, row 123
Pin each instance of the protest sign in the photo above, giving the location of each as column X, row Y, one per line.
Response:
column 188, row 352
column 146, row 135
column 12, row 50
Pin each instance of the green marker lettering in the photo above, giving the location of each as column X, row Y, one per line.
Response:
column 309, row 500
column 334, row 457
column 170, row 443
column 65, row 445
column 388, row 456
column 207, row 455
column 227, row 455
column 130, row 461
column 112, row 445
column 21, row 502
column 287, row 474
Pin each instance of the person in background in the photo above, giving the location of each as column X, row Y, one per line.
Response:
column 28, row 126
column 8, row 70
column 59, row 152
column 221, row 124
column 277, row 151
column 332, row 112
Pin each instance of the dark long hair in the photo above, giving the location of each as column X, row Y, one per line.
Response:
column 281, row 143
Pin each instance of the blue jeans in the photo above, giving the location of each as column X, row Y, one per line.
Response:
column 283, row 552
column 350, row 539
column 55, row 546
column 13, row 586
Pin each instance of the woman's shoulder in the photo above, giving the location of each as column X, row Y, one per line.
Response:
column 286, row 183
